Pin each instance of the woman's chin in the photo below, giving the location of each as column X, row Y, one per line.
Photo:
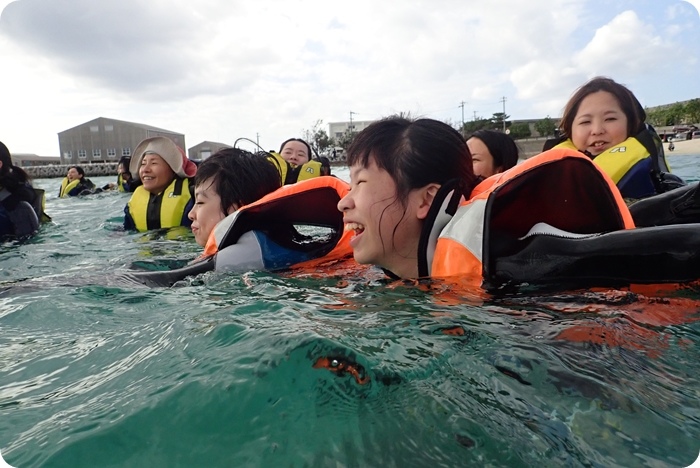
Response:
column 153, row 188
column 361, row 258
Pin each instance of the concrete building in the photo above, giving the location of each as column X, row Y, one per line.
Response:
column 106, row 140
column 205, row 149
column 336, row 130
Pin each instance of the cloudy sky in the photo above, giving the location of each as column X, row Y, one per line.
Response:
column 267, row 69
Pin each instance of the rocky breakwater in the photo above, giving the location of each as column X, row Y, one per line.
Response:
column 60, row 170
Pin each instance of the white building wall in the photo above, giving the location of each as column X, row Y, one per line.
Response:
column 338, row 129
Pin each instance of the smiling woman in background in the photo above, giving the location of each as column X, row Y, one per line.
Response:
column 165, row 197
column 295, row 163
column 492, row 152
column 604, row 120
column 75, row 183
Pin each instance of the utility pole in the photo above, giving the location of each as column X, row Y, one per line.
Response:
column 461, row 104
column 474, row 116
column 257, row 139
column 503, row 100
column 351, row 128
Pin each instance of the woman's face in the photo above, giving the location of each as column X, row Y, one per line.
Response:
column 295, row 152
column 206, row 212
column 155, row 173
column 73, row 174
column 386, row 234
column 599, row 124
column 482, row 159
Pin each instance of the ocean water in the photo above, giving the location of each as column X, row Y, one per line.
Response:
column 334, row 369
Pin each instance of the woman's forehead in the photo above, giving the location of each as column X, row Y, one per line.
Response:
column 296, row 145
column 371, row 166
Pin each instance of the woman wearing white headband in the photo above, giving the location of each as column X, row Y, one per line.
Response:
column 165, row 197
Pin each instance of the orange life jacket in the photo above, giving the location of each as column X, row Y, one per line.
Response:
column 312, row 202
column 561, row 188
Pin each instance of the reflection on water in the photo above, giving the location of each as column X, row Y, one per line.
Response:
column 269, row 370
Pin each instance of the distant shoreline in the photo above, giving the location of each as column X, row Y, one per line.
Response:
column 684, row 148
column 529, row 148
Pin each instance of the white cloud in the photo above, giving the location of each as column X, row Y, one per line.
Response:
column 623, row 45
column 221, row 69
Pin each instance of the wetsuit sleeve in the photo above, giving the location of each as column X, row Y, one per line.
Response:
column 17, row 214
column 24, row 219
column 27, row 193
column 185, row 221
column 129, row 224
column 19, row 193
column 5, row 222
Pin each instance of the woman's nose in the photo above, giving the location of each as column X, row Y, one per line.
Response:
column 344, row 203
column 597, row 127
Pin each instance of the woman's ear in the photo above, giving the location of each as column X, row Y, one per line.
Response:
column 427, row 196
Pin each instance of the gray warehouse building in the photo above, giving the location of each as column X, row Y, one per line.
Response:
column 205, row 149
column 107, row 140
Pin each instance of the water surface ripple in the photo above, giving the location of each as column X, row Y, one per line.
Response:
column 228, row 370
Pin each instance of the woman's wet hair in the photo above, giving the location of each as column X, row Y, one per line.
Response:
column 325, row 165
column 125, row 162
column 239, row 176
column 502, row 147
column 8, row 169
column 636, row 116
column 415, row 153
column 80, row 170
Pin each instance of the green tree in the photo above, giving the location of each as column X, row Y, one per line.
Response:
column 322, row 140
column 317, row 137
column 674, row 114
column 545, row 127
column 692, row 111
column 659, row 117
column 498, row 120
column 474, row 125
column 520, row 130
column 653, row 117
column 346, row 139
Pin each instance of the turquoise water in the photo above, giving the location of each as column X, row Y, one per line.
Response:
column 222, row 370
